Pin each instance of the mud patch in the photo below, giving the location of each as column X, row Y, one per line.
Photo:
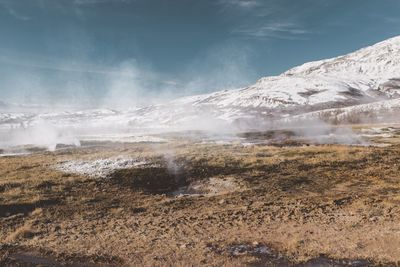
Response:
column 153, row 180
column 30, row 259
column 266, row 256
column 328, row 262
column 26, row 257
column 7, row 210
column 9, row 186
column 295, row 184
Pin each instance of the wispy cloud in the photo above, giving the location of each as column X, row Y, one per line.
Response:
column 391, row 20
column 72, row 68
column 13, row 12
column 267, row 19
column 247, row 4
column 94, row 2
column 171, row 82
column 279, row 30
column 79, row 6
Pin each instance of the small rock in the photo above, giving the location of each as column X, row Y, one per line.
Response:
column 373, row 219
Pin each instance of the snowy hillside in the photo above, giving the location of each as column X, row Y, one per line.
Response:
column 365, row 81
column 368, row 75
column 379, row 62
column 381, row 111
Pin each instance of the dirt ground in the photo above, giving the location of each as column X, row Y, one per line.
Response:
column 204, row 204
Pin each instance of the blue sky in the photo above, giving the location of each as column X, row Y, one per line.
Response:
column 130, row 51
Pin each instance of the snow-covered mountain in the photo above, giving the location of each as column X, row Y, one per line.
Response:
column 379, row 62
column 362, row 79
column 368, row 75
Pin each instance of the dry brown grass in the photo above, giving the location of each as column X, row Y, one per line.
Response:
column 302, row 201
column 24, row 231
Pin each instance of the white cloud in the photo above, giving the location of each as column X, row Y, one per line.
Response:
column 239, row 3
column 171, row 82
column 279, row 30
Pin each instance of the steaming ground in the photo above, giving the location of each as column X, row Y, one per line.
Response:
column 22, row 132
column 42, row 136
column 26, row 132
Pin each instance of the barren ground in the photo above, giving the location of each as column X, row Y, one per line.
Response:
column 196, row 203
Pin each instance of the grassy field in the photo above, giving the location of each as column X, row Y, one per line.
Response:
column 241, row 205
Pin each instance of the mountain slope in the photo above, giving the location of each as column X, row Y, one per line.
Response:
column 351, row 82
column 379, row 62
column 368, row 75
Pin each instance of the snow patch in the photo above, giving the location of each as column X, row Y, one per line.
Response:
column 124, row 138
column 99, row 168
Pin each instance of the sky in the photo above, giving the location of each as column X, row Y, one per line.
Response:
column 135, row 52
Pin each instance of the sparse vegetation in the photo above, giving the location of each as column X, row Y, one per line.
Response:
column 299, row 201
